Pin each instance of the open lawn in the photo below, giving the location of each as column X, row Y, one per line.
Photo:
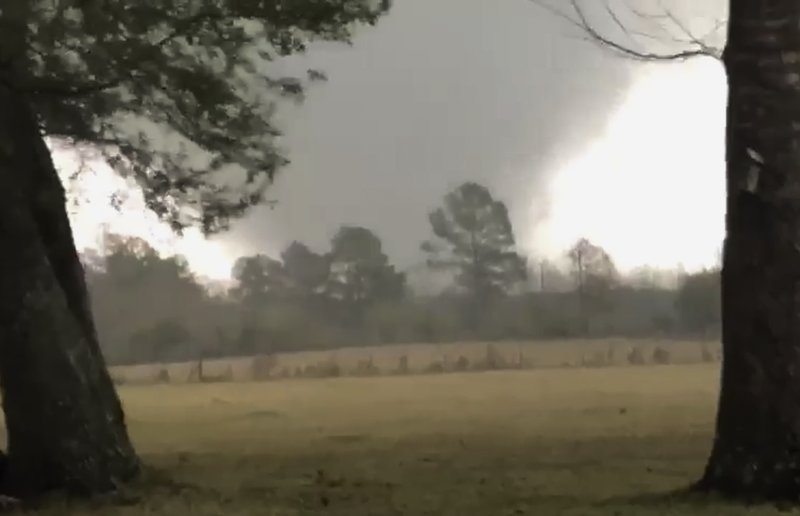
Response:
column 543, row 442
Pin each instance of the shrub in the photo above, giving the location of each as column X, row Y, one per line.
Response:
column 493, row 359
column 309, row 371
column 162, row 376
column 435, row 367
column 326, row 369
column 263, row 366
column 367, row 368
column 636, row 356
column 159, row 341
column 523, row 361
column 462, row 364
column 402, row 365
column 194, row 372
column 661, row 356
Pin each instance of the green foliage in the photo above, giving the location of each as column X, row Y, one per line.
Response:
column 175, row 93
column 162, row 337
column 475, row 240
column 698, row 302
column 297, row 303
column 296, row 326
column 360, row 272
column 595, row 279
column 438, row 319
column 299, row 276
column 145, row 305
column 252, row 338
column 130, row 261
column 392, row 321
column 305, row 272
column 257, row 278
column 593, row 269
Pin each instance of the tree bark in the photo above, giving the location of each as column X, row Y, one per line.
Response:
column 756, row 452
column 64, row 421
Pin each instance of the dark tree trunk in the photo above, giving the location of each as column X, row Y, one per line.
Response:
column 64, row 420
column 756, row 452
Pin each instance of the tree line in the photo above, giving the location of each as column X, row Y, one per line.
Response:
column 150, row 308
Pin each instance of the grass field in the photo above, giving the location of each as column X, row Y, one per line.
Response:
column 588, row 442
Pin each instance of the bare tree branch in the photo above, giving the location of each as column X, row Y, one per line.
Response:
column 698, row 45
column 53, row 87
column 699, row 42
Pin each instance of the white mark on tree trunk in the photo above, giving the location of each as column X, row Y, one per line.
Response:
column 755, row 156
column 751, row 184
column 752, row 179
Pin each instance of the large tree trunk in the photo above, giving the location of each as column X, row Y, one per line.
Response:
column 64, row 420
column 756, row 449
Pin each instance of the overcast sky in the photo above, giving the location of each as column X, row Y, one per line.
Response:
column 500, row 92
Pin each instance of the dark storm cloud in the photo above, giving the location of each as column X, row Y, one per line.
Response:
column 440, row 92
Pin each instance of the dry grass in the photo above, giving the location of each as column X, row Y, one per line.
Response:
column 610, row 441
column 539, row 354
